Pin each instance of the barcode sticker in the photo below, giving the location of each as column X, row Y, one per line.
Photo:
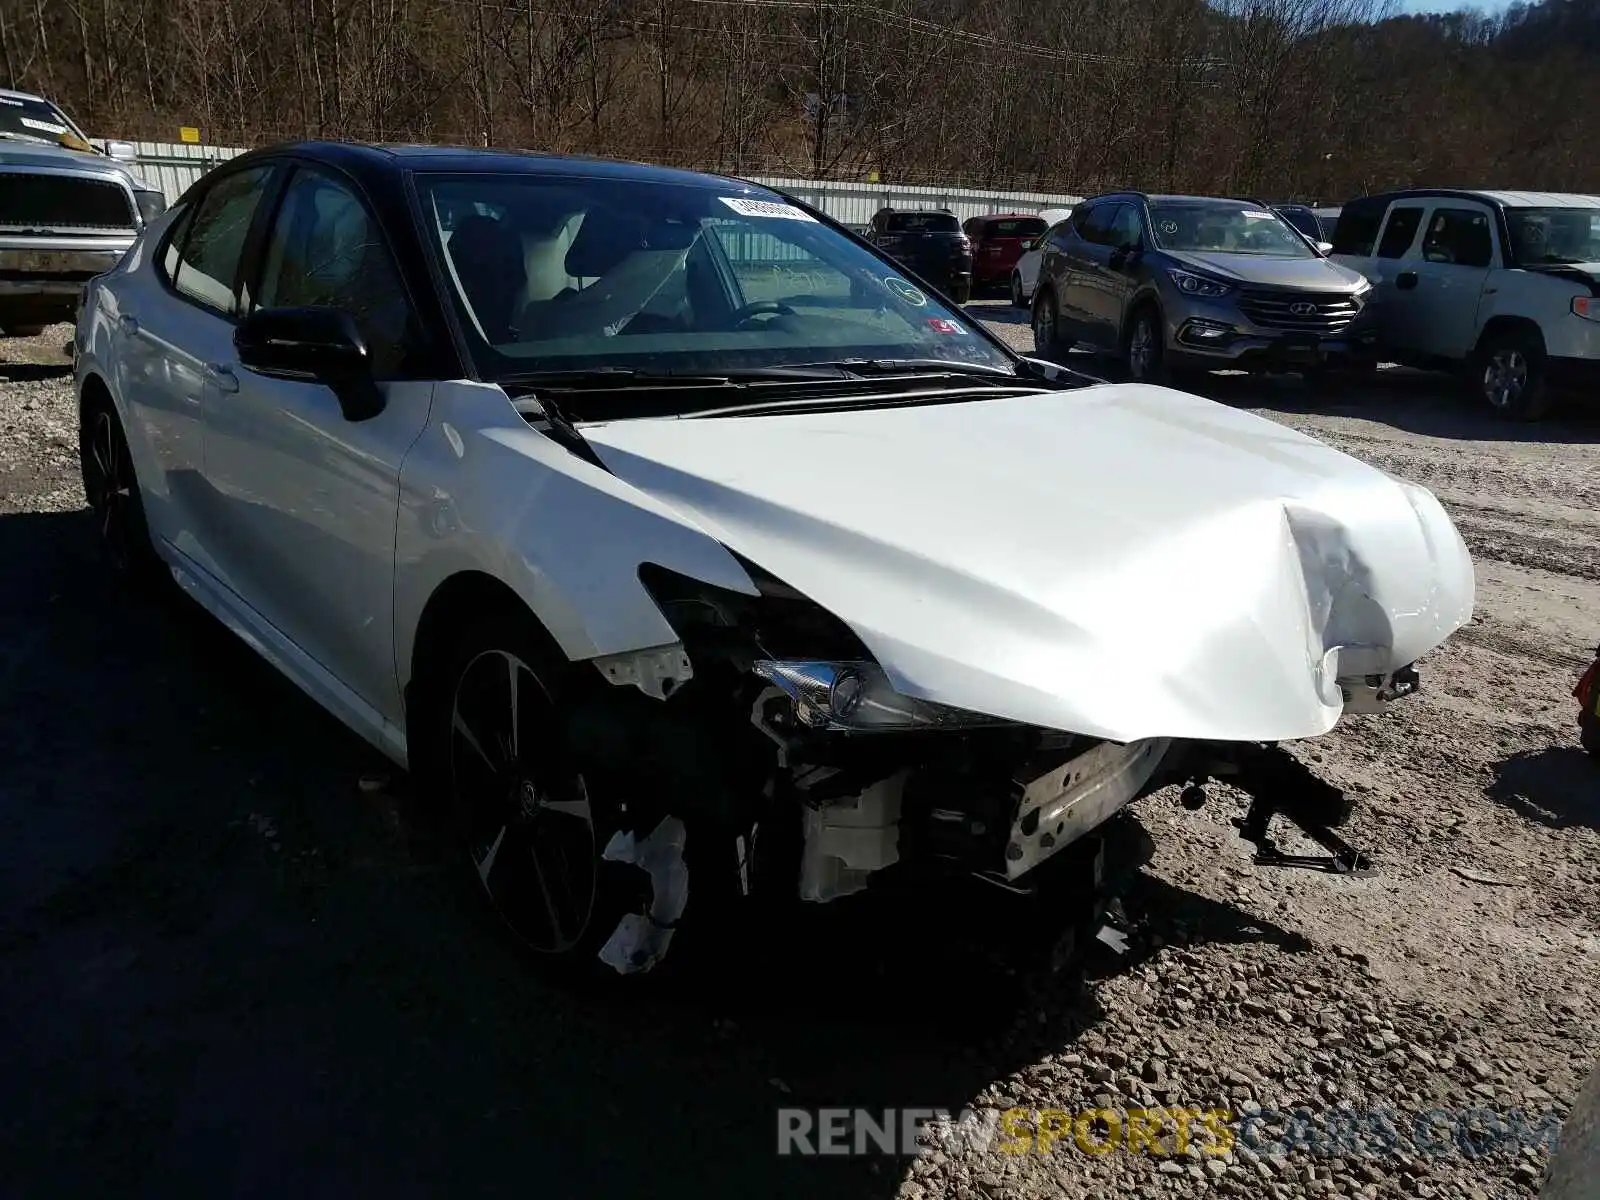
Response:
column 43, row 126
column 765, row 208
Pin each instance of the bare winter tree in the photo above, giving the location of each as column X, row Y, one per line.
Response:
column 1313, row 99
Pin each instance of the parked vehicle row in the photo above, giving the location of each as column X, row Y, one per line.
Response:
column 1501, row 289
column 684, row 585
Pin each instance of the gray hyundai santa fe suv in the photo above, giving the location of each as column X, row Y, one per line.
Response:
column 1173, row 284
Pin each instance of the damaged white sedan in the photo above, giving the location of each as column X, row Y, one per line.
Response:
column 684, row 547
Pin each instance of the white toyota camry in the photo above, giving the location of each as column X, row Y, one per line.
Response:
column 684, row 548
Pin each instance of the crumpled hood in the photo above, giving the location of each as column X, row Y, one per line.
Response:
column 1122, row 561
column 1263, row 270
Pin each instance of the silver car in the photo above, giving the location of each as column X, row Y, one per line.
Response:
column 1175, row 284
column 67, row 211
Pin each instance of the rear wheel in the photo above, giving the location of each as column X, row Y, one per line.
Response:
column 1018, row 300
column 112, row 490
column 1509, row 375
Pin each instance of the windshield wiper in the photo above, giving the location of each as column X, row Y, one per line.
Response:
column 916, row 366
column 600, row 377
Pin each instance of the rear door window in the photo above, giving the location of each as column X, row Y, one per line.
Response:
column 1098, row 226
column 1356, row 231
column 1400, row 231
column 1021, row 227
column 923, row 223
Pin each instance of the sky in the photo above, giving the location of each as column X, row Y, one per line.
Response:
column 1423, row 6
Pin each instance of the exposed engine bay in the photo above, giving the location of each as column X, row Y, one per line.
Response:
column 774, row 735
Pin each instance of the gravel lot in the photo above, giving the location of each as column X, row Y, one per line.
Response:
column 233, row 964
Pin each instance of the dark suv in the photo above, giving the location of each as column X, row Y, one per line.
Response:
column 1191, row 283
column 929, row 243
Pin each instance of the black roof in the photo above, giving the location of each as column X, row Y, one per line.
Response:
column 365, row 160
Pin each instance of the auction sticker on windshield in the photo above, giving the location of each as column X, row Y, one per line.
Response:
column 905, row 291
column 765, row 208
column 945, row 325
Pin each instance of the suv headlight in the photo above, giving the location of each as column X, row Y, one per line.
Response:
column 857, row 696
column 151, row 205
column 1198, row 285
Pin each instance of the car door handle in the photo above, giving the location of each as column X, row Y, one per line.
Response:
column 128, row 324
column 1406, row 280
column 223, row 377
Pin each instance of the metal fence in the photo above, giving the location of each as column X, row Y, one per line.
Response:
column 173, row 166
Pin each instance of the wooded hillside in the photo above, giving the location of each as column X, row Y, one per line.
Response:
column 1311, row 99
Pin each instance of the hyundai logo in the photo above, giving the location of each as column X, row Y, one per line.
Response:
column 1302, row 308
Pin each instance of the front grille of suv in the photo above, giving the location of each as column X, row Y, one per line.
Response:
column 31, row 202
column 1328, row 312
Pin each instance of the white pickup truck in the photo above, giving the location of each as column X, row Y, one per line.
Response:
column 68, row 211
column 1503, row 287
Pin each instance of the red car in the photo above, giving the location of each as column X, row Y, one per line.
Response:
column 1588, row 696
column 997, row 240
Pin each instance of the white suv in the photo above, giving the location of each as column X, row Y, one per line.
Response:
column 1505, row 284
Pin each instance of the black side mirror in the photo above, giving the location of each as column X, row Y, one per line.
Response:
column 312, row 345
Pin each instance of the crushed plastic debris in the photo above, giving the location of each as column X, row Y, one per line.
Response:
column 640, row 940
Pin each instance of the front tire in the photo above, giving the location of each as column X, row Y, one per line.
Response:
column 1509, row 375
column 1018, row 300
column 522, row 815
column 1143, row 348
column 1046, row 324
column 112, row 490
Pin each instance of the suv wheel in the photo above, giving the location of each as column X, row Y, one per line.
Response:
column 1143, row 350
column 1018, row 300
column 1046, row 322
column 1510, row 375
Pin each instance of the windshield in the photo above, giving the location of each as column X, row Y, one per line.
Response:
column 1555, row 235
column 922, row 223
column 562, row 274
column 33, row 120
column 1224, row 227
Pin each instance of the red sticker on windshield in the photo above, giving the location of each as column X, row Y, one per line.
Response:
column 945, row 325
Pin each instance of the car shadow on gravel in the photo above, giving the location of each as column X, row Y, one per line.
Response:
column 11, row 372
column 1416, row 402
column 1558, row 786
column 234, row 966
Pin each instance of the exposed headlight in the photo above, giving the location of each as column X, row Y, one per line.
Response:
column 1198, row 285
column 858, row 696
column 151, row 205
column 1587, row 307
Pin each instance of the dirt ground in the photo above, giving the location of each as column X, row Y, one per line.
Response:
column 232, row 962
